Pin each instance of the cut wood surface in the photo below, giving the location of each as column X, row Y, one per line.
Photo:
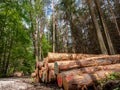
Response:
column 96, row 61
column 81, row 81
column 43, row 76
column 51, row 66
column 39, row 64
column 52, row 76
column 80, row 71
column 75, row 71
column 37, row 75
column 41, row 71
column 45, row 62
column 69, row 56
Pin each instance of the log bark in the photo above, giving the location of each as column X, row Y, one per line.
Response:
column 33, row 75
column 82, row 81
column 45, row 62
column 41, row 72
column 68, row 56
column 39, row 64
column 52, row 76
column 43, row 77
column 96, row 61
column 80, row 71
column 37, row 75
column 50, row 66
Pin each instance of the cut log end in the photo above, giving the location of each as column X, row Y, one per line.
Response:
column 66, row 84
column 56, row 68
column 59, row 80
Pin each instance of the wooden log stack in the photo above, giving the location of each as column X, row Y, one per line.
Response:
column 75, row 71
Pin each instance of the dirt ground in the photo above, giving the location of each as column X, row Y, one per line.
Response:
column 24, row 83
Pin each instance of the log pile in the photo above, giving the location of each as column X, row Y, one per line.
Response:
column 75, row 71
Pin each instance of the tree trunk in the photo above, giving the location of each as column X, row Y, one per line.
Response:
column 114, row 17
column 69, row 56
column 9, row 55
column 80, row 71
column 40, row 35
column 53, row 26
column 51, row 76
column 44, row 76
column 96, row 61
column 99, row 34
column 82, row 81
column 110, row 45
column 34, row 30
column 50, row 66
column 36, row 40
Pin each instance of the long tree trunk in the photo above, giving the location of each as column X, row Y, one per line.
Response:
column 113, row 17
column 110, row 45
column 9, row 55
column 34, row 29
column 53, row 17
column 41, row 34
column 80, row 71
column 77, row 82
column 93, row 61
column 69, row 56
column 99, row 33
column 36, row 40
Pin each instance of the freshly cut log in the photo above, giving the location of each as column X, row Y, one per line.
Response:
column 41, row 72
column 80, row 71
column 37, row 75
column 82, row 81
column 68, row 56
column 33, row 74
column 36, row 71
column 51, row 76
column 50, row 66
column 43, row 76
column 39, row 64
column 96, row 61
column 45, row 62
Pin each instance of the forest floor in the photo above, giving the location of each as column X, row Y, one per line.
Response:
column 24, row 83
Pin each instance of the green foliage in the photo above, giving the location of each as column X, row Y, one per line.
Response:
column 16, row 53
column 112, row 76
column 116, row 88
column 46, row 47
column 16, row 40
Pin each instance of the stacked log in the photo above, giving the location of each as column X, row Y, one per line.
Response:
column 93, row 61
column 77, row 82
column 76, row 70
column 80, row 71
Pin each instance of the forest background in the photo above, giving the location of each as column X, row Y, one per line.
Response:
column 29, row 29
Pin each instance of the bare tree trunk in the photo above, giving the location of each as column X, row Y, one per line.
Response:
column 36, row 40
column 110, row 45
column 53, row 16
column 66, row 40
column 117, row 9
column 99, row 34
column 34, row 33
column 41, row 35
column 56, row 34
column 114, row 17
column 8, row 57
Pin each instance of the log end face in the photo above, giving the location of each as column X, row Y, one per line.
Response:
column 66, row 83
column 56, row 68
column 59, row 80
